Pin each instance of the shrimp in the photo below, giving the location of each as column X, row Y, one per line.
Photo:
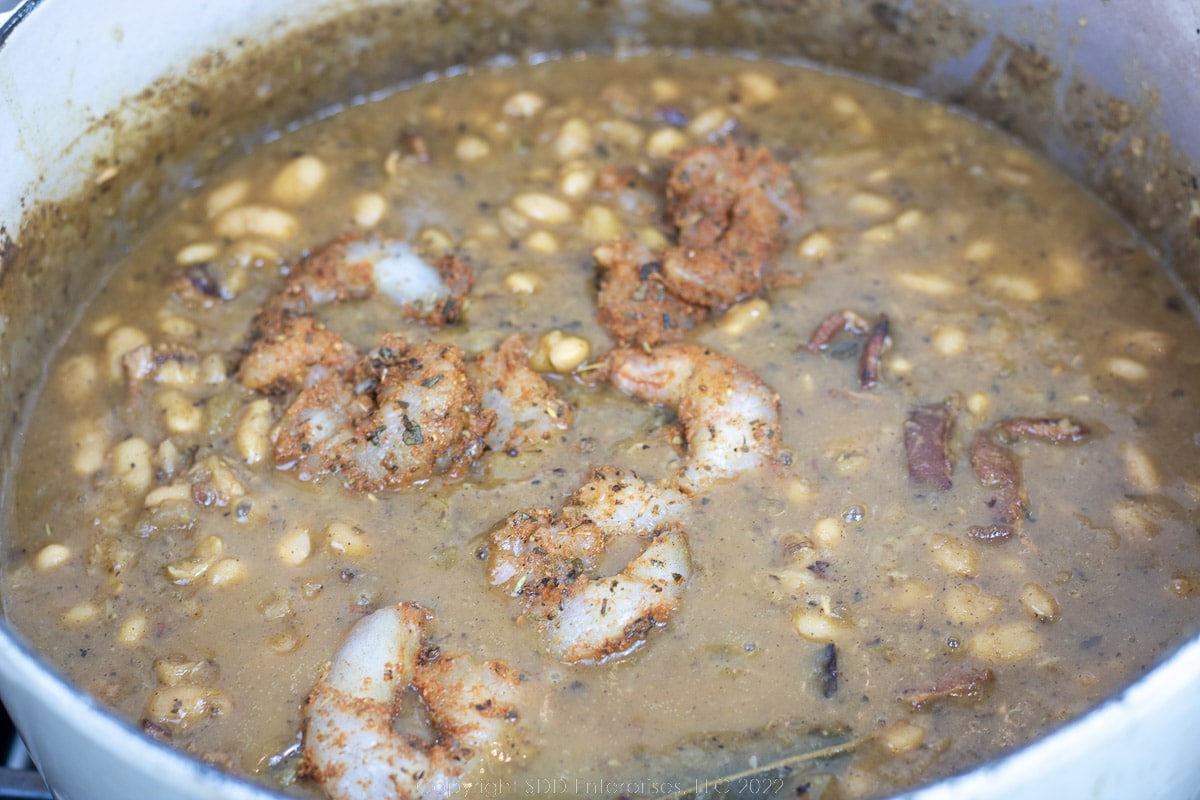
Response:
column 634, row 303
column 291, row 350
column 729, row 205
column 404, row 413
column 292, row 353
column 544, row 559
column 357, row 266
column 528, row 410
column 350, row 746
column 730, row 421
column 611, row 616
column 730, row 418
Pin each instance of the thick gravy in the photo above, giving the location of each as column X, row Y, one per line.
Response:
column 863, row 588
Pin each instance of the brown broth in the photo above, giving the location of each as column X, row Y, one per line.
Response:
column 1003, row 281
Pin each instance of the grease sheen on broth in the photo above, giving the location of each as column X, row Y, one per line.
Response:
column 1004, row 285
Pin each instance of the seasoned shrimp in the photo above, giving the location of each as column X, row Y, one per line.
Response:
column 350, row 746
column 528, row 410
column 730, row 418
column 729, row 205
column 611, row 616
column 634, row 304
column 730, row 421
column 291, row 350
column 544, row 559
column 357, row 266
column 404, row 413
column 294, row 352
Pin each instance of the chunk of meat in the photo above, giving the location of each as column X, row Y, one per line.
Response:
column 927, row 433
column 966, row 684
column 844, row 320
column 872, row 351
column 872, row 354
column 998, row 467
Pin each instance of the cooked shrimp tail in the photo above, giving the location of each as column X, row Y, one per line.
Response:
column 529, row 411
column 730, row 417
column 611, row 616
column 545, row 559
column 350, row 746
column 358, row 266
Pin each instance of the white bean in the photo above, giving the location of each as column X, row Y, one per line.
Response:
column 954, row 555
column 133, row 629
column 870, row 204
column 367, row 209
column 815, row 246
column 347, row 540
column 542, row 207
column 927, row 283
column 756, row 89
column 197, row 253
column 470, row 149
column 542, row 242
column 576, row 179
column 524, row 104
column 89, row 440
column 818, row 625
column 744, row 316
column 568, row 353
column 1127, row 369
column 827, row 532
column 133, row 465
column 523, row 282
column 1140, row 470
column 574, row 140
column 121, row 341
column 949, row 340
column 664, row 142
column 1012, row 641
column 81, row 614
column 253, row 431
column 256, row 220
column 52, row 556
column 712, row 123
column 1016, row 287
column 299, row 180
column 295, row 547
column 1039, row 603
column 179, row 412
column 226, row 196
column 77, row 377
column 600, row 224
column 228, row 572
column 967, row 604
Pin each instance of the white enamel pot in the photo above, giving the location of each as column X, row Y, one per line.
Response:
column 85, row 84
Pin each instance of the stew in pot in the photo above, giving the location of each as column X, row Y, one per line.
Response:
column 654, row 425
